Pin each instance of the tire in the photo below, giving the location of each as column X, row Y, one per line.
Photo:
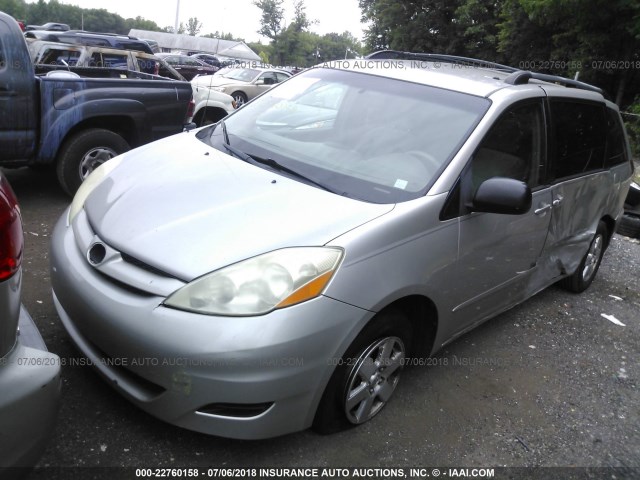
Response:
column 85, row 151
column 240, row 98
column 629, row 226
column 207, row 116
column 363, row 382
column 586, row 271
column 633, row 197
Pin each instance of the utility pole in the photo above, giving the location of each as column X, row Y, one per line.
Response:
column 177, row 17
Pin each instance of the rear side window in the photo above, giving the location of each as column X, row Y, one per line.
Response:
column 580, row 136
column 108, row 60
column 616, row 144
column 58, row 56
column 147, row 65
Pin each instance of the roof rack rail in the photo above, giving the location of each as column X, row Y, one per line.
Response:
column 522, row 77
column 516, row 76
column 100, row 33
column 436, row 57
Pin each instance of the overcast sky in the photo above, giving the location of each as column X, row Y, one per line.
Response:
column 238, row 17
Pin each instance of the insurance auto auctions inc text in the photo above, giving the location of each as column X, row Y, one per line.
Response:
column 373, row 473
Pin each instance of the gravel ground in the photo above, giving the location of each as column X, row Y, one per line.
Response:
column 551, row 383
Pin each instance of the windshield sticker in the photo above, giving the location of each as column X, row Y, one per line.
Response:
column 401, row 184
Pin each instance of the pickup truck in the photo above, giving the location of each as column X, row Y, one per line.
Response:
column 53, row 54
column 78, row 123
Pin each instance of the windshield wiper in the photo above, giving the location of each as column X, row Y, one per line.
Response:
column 269, row 162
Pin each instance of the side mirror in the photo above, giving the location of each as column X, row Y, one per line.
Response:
column 502, row 195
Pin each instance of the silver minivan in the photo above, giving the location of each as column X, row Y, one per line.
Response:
column 277, row 270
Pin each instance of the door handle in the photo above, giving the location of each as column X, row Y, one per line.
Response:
column 543, row 209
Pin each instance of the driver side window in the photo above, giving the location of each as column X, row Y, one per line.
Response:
column 267, row 79
column 513, row 148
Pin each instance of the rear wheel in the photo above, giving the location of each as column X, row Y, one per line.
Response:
column 586, row 272
column 85, row 151
column 367, row 374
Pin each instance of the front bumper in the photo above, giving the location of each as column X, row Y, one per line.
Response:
column 199, row 371
column 29, row 397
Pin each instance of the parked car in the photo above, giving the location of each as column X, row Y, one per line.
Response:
column 243, row 84
column 95, row 39
column 29, row 374
column 50, row 26
column 55, row 54
column 187, row 66
column 79, row 123
column 210, row 106
column 274, row 275
column 152, row 44
column 209, row 60
column 629, row 225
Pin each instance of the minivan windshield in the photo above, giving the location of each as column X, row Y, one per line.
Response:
column 364, row 136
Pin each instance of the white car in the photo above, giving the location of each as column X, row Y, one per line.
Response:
column 210, row 105
column 243, row 84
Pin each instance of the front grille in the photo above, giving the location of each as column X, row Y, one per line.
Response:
column 145, row 266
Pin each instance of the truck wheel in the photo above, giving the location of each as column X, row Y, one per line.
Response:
column 85, row 151
column 367, row 374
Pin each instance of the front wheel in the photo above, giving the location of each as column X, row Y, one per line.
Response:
column 240, row 98
column 85, row 151
column 586, row 271
column 367, row 374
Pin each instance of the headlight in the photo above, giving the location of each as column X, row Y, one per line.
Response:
column 261, row 284
column 89, row 184
column 218, row 89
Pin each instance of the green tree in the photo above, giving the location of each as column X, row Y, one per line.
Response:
column 265, row 52
column 294, row 41
column 272, row 17
column 223, row 36
column 421, row 25
column 140, row 23
column 16, row 8
column 578, row 37
column 193, row 26
column 479, row 21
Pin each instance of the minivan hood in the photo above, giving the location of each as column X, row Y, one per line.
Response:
column 187, row 209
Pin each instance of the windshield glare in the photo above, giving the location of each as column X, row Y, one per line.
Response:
column 367, row 137
column 244, row 74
